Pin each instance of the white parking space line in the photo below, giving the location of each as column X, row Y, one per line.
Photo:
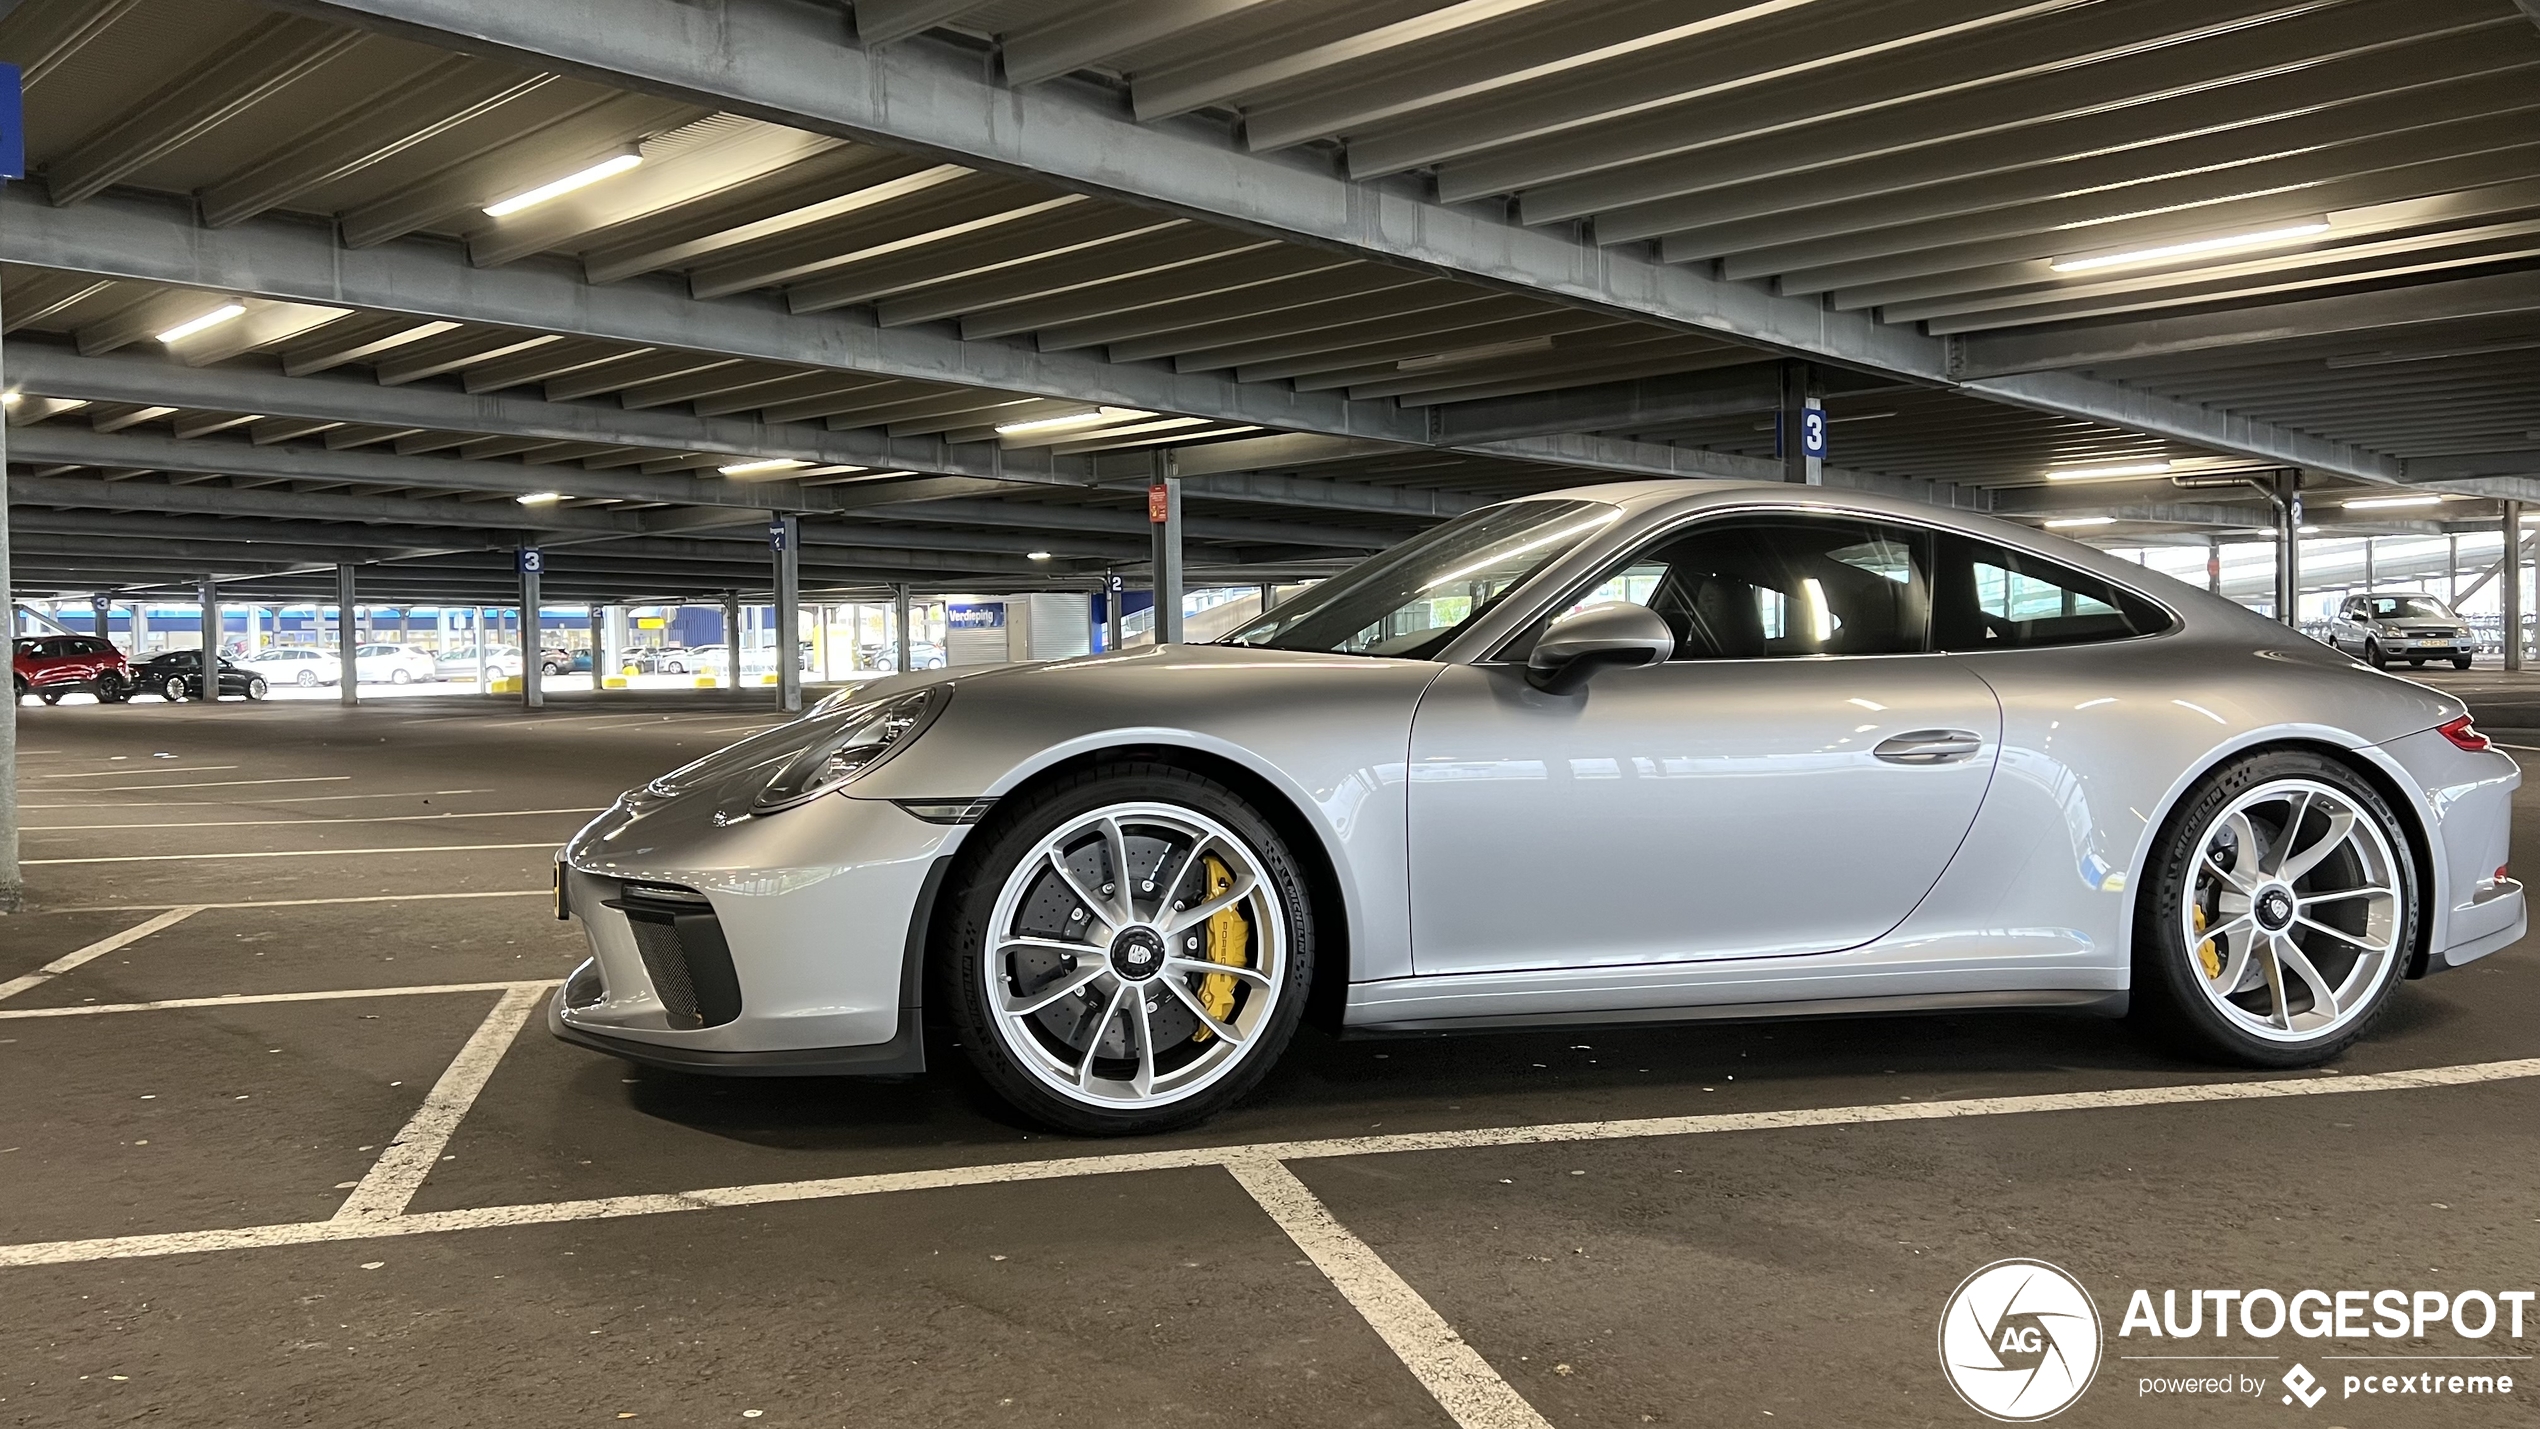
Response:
column 279, row 853
column 226, row 803
column 317, row 902
column 204, row 784
column 98, row 949
column 143, row 769
column 1111, row 1164
column 1454, row 1373
column 399, row 1172
column 312, row 819
column 253, row 999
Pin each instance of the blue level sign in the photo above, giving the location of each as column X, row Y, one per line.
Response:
column 1812, row 432
column 532, row 561
column 12, row 123
column 776, row 535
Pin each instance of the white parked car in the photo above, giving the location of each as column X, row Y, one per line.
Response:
column 501, row 662
column 304, row 665
column 393, row 664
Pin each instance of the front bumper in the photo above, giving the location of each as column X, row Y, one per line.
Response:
column 781, row 944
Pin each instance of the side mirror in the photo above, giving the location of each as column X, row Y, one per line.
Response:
column 1583, row 642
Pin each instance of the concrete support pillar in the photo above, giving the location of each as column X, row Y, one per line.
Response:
column 784, row 535
column 1115, row 595
column 1164, row 524
column 207, row 604
column 103, row 611
column 732, row 639
column 899, row 629
column 347, row 673
column 600, row 662
column 2288, row 548
column 533, row 644
column 619, row 642
column 2513, row 585
column 1799, row 398
column 2370, row 578
column 484, row 649
column 2452, row 571
column 12, row 889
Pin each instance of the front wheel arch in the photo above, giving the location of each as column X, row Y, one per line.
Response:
column 1328, row 995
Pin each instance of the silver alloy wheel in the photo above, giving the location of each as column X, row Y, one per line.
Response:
column 1100, row 984
column 2292, row 917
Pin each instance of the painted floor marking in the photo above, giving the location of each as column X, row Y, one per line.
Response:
column 142, row 769
column 204, row 784
column 411, row 1155
column 98, row 949
column 228, row 803
column 314, row 902
column 70, row 1252
column 279, row 853
column 317, row 819
column 253, row 999
column 1454, row 1373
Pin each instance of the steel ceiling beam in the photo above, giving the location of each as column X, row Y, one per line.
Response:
column 149, row 380
column 791, row 62
column 2496, row 295
column 121, row 236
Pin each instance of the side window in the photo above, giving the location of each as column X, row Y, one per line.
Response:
column 1994, row 598
column 1763, row 587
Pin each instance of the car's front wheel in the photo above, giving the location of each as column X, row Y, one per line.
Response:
column 2460, row 662
column 1127, row 951
column 308, row 679
column 257, row 689
column 111, row 689
column 2280, row 912
column 2373, row 655
column 174, row 689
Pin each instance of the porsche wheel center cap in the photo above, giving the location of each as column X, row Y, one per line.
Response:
column 2275, row 909
column 1137, row 954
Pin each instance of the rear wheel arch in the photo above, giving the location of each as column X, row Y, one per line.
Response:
column 2412, row 827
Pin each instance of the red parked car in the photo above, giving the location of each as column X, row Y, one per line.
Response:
column 54, row 665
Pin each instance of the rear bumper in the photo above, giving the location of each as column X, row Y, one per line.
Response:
column 2472, row 906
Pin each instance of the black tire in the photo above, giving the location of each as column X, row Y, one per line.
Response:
column 17, row 687
column 2169, row 999
column 50, row 696
column 173, row 689
column 2460, row 662
column 257, row 689
column 2416, row 664
column 2374, row 657
column 111, row 689
column 961, row 970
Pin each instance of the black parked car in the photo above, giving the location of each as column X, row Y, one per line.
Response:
column 178, row 674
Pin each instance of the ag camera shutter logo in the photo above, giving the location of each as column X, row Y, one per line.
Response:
column 2020, row 1341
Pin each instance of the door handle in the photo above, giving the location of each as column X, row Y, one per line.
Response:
column 1930, row 746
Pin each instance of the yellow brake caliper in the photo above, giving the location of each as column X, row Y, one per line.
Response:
column 2205, row 952
column 1228, row 932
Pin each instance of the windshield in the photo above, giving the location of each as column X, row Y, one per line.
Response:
column 1411, row 600
column 2409, row 607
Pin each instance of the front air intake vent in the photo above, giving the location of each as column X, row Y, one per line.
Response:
column 684, row 954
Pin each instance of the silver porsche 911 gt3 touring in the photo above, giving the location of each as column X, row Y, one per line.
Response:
column 1644, row 752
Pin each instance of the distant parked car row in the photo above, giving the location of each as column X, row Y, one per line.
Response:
column 52, row 666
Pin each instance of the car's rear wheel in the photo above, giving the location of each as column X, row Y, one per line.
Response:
column 50, row 696
column 308, row 679
column 399, row 677
column 111, row 689
column 2280, row 912
column 1128, row 951
column 174, row 688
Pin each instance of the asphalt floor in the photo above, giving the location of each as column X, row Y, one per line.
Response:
column 911, row 1254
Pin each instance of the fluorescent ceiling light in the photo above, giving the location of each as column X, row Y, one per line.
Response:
column 11, row 398
column 2136, row 468
column 1036, row 555
column 763, row 468
column 614, row 164
column 2184, row 250
column 539, row 498
column 1096, row 417
column 2068, row 522
column 191, row 326
column 2306, row 530
column 2375, row 503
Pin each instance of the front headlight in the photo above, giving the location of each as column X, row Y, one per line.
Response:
column 863, row 736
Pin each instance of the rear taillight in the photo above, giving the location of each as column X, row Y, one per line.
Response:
column 2464, row 734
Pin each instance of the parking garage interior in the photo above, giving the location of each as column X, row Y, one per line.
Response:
column 543, row 396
